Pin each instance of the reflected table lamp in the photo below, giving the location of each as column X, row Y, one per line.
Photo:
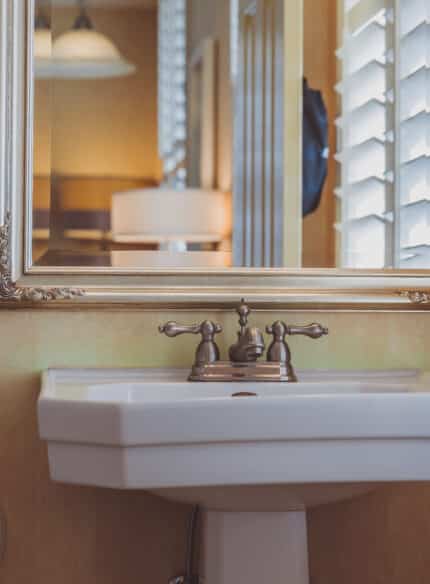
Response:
column 171, row 219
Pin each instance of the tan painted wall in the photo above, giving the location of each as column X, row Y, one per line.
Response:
column 378, row 539
column 104, row 127
column 67, row 535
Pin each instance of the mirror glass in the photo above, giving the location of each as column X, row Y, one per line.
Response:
column 203, row 134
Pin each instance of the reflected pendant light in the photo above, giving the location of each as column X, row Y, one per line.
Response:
column 42, row 47
column 84, row 53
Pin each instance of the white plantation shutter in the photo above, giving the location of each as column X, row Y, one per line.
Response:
column 384, row 134
column 172, row 108
column 414, row 130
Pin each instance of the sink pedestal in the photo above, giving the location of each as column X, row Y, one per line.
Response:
column 254, row 548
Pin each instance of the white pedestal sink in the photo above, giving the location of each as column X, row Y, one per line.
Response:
column 253, row 463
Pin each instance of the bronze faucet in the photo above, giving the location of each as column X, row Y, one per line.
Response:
column 244, row 354
column 250, row 341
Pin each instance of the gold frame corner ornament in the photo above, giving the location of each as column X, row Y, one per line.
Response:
column 417, row 296
column 9, row 290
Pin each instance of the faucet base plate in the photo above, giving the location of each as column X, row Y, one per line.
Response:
column 241, row 372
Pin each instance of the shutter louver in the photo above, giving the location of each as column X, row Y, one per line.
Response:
column 414, row 133
column 383, row 134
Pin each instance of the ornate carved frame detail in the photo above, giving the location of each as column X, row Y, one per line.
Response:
column 417, row 296
column 9, row 289
column 22, row 283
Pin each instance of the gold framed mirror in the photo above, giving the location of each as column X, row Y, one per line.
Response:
column 169, row 156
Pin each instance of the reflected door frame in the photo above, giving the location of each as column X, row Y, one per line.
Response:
column 268, row 130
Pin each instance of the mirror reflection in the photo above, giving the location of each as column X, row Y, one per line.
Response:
column 202, row 134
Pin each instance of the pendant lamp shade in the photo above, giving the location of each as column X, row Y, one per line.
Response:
column 42, row 44
column 42, row 48
column 86, row 53
column 79, row 53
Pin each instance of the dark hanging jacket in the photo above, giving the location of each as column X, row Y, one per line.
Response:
column 315, row 148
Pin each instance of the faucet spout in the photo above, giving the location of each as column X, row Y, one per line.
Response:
column 250, row 343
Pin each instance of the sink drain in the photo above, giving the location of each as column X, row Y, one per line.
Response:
column 245, row 394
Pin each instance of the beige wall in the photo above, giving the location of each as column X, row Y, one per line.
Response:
column 67, row 535
column 104, row 127
column 207, row 18
column 378, row 539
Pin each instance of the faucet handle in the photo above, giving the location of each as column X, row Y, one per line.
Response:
column 207, row 351
column 314, row 330
column 279, row 349
column 280, row 330
column 207, row 329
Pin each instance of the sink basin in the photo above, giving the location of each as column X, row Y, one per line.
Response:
column 281, row 449
column 151, row 429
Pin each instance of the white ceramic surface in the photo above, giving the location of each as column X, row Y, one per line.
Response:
column 151, row 429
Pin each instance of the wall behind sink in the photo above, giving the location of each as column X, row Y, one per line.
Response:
column 67, row 535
